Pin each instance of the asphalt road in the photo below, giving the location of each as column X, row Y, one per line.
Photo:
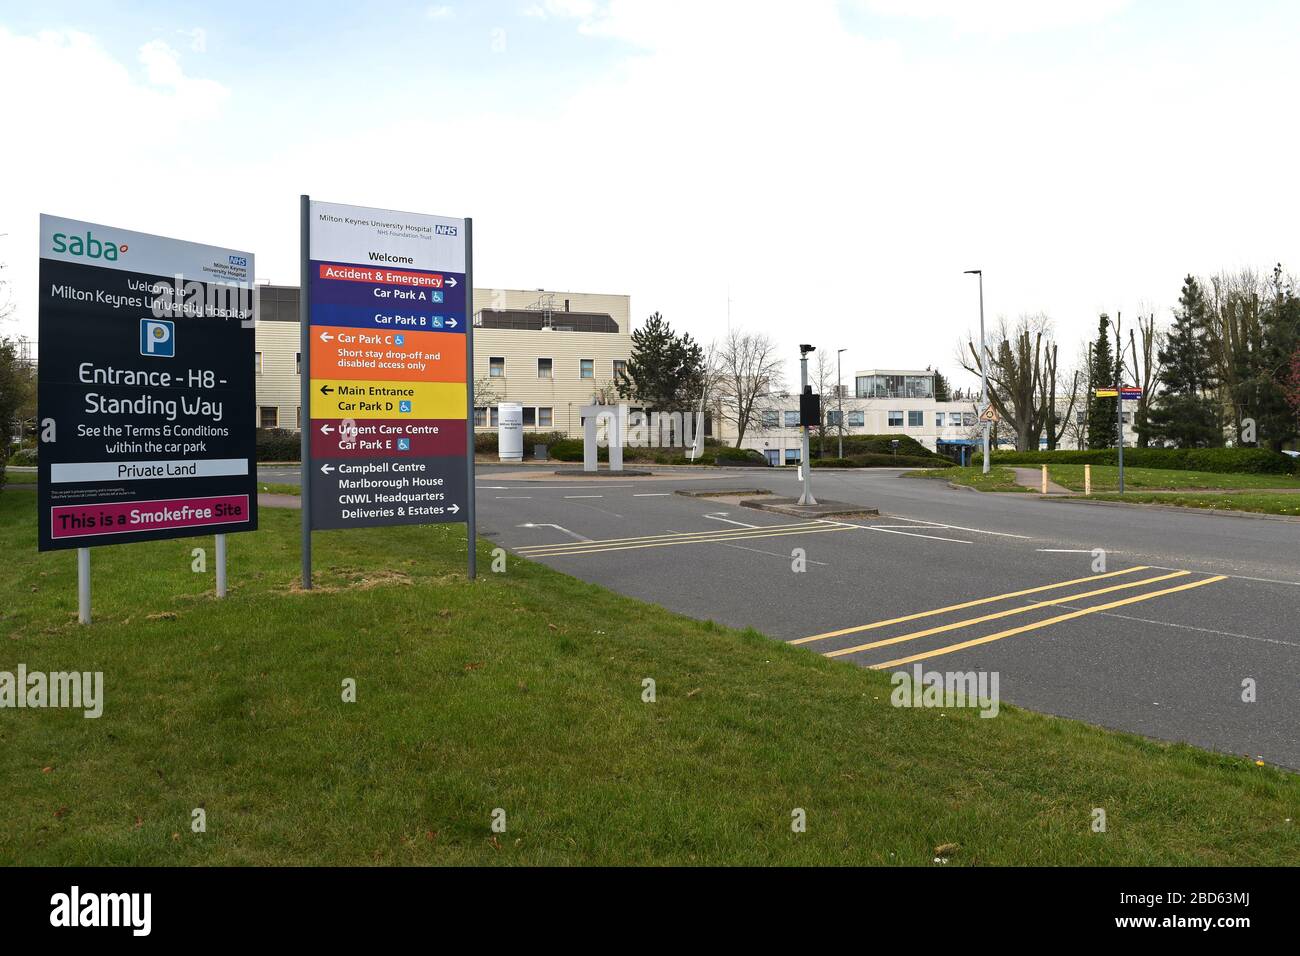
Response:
column 1161, row 642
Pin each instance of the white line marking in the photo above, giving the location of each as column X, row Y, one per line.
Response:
column 1239, row 577
column 773, row 554
column 932, row 537
column 718, row 517
column 1078, row 551
column 512, row 497
column 957, row 527
column 653, row 494
column 572, row 534
column 584, row 496
column 1188, row 627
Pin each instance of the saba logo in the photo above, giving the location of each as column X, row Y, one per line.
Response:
column 158, row 338
column 90, row 247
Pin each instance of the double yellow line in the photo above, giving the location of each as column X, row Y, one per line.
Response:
column 670, row 540
column 970, row 622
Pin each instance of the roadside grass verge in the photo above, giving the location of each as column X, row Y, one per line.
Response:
column 1106, row 478
column 999, row 478
column 1258, row 502
column 523, row 691
column 271, row 488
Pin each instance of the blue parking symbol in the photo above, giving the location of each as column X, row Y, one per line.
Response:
column 399, row 339
column 403, row 444
column 404, row 405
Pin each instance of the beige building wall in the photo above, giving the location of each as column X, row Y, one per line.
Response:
column 277, row 375
column 506, row 361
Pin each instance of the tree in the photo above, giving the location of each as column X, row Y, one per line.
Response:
column 1146, row 368
column 1021, row 374
column 748, row 368
column 1185, row 415
column 665, row 370
column 822, row 378
column 1102, row 431
column 942, row 392
column 15, row 389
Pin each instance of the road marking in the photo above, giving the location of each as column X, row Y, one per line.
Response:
column 653, row 494
column 912, row 534
column 722, row 533
column 957, row 527
column 1188, row 627
column 770, row 554
column 512, row 497
column 997, row 615
column 1066, row 551
column 1242, row 577
column 963, row 606
column 584, row 496
column 1051, row 620
column 571, row 534
column 719, row 517
column 746, row 535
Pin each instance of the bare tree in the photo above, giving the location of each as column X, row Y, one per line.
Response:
column 747, row 368
column 822, row 379
column 1146, row 369
column 1021, row 374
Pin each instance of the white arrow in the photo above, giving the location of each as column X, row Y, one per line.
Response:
column 326, row 429
column 451, row 281
column 454, row 509
column 326, row 469
column 452, row 323
column 325, row 337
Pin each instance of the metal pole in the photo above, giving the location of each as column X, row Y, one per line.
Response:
column 304, row 382
column 83, row 585
column 1119, row 396
column 839, row 392
column 984, row 374
column 471, row 525
column 221, row 563
column 806, row 498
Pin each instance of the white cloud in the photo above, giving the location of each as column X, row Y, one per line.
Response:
column 439, row 12
column 1001, row 16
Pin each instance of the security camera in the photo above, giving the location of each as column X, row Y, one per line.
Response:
column 805, row 349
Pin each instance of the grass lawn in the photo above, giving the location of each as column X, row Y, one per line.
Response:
column 271, row 488
column 1261, row 502
column 1106, row 478
column 523, row 691
column 999, row 478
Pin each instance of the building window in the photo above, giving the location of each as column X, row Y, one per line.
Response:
column 791, row 419
column 268, row 415
column 968, row 419
column 954, row 419
column 1081, row 418
column 620, row 369
column 257, row 362
column 586, row 368
column 895, row 419
column 480, row 417
column 544, row 418
column 857, row 419
column 545, row 368
column 833, row 417
column 792, row 456
column 530, row 416
column 771, row 419
column 497, row 367
column 297, row 363
column 297, row 418
column 895, row 386
column 915, row 419
column 495, row 417
column 938, row 419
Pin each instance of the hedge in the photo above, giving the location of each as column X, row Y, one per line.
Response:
column 883, row 461
column 485, row 443
column 278, row 444
column 855, row 445
column 1251, row 461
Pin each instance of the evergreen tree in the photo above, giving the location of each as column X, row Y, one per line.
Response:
column 665, row 370
column 1101, row 411
column 941, row 390
column 1186, row 415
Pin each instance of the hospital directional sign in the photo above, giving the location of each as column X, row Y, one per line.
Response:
column 388, row 414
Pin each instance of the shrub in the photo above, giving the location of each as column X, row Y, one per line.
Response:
column 278, row 444
column 727, row 455
column 884, row 461
column 1251, row 461
column 24, row 456
column 855, row 445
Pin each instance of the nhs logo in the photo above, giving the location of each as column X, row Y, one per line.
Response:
column 158, row 338
column 241, row 261
column 444, row 230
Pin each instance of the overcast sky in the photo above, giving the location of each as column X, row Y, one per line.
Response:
column 834, row 166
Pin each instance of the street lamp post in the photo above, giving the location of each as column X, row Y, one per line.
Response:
column 806, row 496
column 839, row 396
column 984, row 376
